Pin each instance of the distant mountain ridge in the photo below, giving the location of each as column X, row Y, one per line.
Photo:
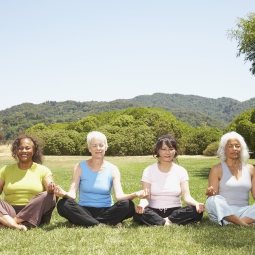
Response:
column 192, row 109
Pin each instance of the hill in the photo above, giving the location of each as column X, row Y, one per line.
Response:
column 192, row 109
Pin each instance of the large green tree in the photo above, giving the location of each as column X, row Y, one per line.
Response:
column 245, row 36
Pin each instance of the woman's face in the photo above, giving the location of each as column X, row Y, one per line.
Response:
column 165, row 153
column 97, row 148
column 233, row 149
column 25, row 150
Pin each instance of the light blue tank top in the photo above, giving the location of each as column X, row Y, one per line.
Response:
column 95, row 188
column 236, row 192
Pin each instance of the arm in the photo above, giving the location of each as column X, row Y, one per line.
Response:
column 252, row 172
column 1, row 186
column 59, row 192
column 118, row 191
column 49, row 184
column 213, row 180
column 188, row 199
column 145, row 201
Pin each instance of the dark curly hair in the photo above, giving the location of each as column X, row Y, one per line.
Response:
column 170, row 143
column 37, row 157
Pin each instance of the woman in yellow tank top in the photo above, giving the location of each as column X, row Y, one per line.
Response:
column 28, row 187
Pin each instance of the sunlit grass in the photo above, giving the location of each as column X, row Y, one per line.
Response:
column 59, row 238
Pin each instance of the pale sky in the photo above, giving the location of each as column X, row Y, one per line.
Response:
column 103, row 50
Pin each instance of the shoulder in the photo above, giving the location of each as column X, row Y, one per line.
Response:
column 110, row 165
column 115, row 170
column 181, row 172
column 251, row 169
column 216, row 170
column 150, row 170
column 179, row 168
column 217, row 167
column 152, row 167
column 8, row 167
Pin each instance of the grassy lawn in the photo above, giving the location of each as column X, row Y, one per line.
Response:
column 59, row 238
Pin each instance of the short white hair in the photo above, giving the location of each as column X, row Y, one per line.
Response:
column 96, row 135
column 244, row 155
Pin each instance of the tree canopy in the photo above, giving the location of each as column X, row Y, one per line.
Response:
column 244, row 124
column 132, row 131
column 245, row 36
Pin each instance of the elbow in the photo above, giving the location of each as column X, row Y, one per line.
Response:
column 118, row 198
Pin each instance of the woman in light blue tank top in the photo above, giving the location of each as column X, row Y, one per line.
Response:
column 94, row 179
column 230, row 183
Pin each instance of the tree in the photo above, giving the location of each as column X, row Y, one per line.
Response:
column 244, row 124
column 245, row 36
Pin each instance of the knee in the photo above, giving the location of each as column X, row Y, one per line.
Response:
column 211, row 201
column 127, row 205
column 62, row 205
column 137, row 217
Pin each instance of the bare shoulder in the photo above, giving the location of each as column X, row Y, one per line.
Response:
column 251, row 169
column 77, row 169
column 216, row 169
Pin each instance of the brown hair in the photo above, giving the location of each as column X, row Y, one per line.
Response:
column 170, row 142
column 37, row 157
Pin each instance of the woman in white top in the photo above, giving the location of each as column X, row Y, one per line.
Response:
column 166, row 181
column 230, row 183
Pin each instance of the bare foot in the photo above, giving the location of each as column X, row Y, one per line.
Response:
column 101, row 224
column 22, row 228
column 118, row 225
column 168, row 222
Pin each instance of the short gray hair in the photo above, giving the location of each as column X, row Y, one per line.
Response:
column 244, row 155
column 97, row 135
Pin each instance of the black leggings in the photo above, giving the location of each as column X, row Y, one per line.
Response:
column 177, row 215
column 91, row 216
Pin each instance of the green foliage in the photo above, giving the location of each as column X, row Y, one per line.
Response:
column 37, row 127
column 244, row 124
column 194, row 110
column 59, row 143
column 200, row 139
column 211, row 149
column 57, row 126
column 245, row 37
column 132, row 131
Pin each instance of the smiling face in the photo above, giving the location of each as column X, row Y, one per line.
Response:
column 25, row 150
column 233, row 149
column 97, row 148
column 166, row 153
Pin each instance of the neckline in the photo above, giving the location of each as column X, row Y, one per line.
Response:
column 237, row 179
column 170, row 170
column 31, row 167
column 96, row 172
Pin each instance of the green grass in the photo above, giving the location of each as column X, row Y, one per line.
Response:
column 58, row 238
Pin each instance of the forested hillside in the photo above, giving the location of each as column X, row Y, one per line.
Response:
column 194, row 110
column 132, row 131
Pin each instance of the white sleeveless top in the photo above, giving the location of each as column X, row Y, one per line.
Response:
column 236, row 192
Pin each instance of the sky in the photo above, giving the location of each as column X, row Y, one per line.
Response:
column 102, row 50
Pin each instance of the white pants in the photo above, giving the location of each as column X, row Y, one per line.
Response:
column 218, row 208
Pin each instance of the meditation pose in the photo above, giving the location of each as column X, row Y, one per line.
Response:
column 230, row 183
column 28, row 187
column 166, row 181
column 94, row 178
